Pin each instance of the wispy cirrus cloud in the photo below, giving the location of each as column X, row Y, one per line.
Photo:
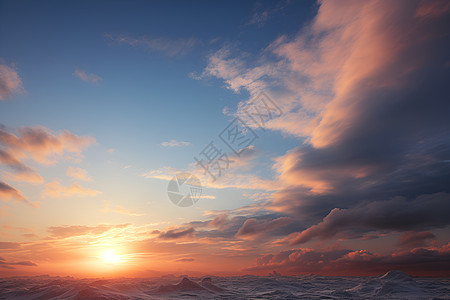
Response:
column 55, row 189
column 11, row 265
column 175, row 143
column 166, row 46
column 119, row 209
column 67, row 231
column 237, row 175
column 261, row 14
column 10, row 82
column 87, row 77
column 230, row 178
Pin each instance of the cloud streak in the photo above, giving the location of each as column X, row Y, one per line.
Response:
column 165, row 46
column 174, row 143
column 87, row 77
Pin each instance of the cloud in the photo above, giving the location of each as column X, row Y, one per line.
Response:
column 235, row 173
column 177, row 233
column 325, row 90
column 363, row 89
column 61, row 232
column 42, row 145
column 418, row 261
column 29, row 177
column 254, row 227
column 414, row 239
column 87, row 77
column 174, row 143
column 119, row 209
column 10, row 82
column 22, row 172
column 30, row 235
column 54, row 190
column 78, row 173
column 166, row 46
column 233, row 70
column 185, row 260
column 399, row 214
column 11, row 265
column 261, row 15
column 7, row 192
column 9, row 245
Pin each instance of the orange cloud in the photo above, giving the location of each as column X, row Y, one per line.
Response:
column 54, row 190
column 30, row 177
column 119, row 209
column 78, row 173
column 77, row 230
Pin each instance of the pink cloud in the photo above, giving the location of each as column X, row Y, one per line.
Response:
column 42, row 144
column 327, row 72
column 418, row 261
column 87, row 77
column 10, row 82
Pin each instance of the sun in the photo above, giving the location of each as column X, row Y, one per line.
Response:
column 110, row 257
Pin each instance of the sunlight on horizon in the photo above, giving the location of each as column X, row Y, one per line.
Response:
column 111, row 257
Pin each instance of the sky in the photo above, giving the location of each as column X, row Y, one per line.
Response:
column 317, row 132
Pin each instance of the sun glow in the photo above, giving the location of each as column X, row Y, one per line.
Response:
column 110, row 257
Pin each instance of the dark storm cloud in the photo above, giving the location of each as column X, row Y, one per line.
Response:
column 413, row 239
column 390, row 137
column 426, row 211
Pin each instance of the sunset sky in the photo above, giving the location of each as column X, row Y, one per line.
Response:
column 103, row 102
